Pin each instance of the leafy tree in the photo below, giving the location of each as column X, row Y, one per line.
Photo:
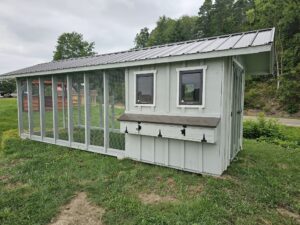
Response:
column 141, row 39
column 7, row 86
column 184, row 29
column 72, row 45
column 163, row 31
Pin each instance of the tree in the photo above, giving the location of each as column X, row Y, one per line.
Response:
column 7, row 86
column 162, row 33
column 141, row 39
column 184, row 29
column 72, row 45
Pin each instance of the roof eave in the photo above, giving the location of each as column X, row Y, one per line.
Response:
column 178, row 58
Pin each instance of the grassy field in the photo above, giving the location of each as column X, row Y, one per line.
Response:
column 262, row 186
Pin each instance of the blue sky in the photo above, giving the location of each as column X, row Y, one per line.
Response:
column 29, row 29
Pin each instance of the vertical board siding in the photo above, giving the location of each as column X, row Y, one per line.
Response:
column 147, row 149
column 175, row 153
column 191, row 161
column 185, row 155
column 160, row 146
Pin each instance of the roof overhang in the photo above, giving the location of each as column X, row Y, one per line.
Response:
column 213, row 54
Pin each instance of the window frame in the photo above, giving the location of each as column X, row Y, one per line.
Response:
column 186, row 69
column 144, row 72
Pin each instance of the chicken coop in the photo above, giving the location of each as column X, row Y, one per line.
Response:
column 177, row 105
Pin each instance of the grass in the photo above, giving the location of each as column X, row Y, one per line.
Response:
column 36, row 179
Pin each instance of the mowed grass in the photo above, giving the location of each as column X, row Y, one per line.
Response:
column 36, row 179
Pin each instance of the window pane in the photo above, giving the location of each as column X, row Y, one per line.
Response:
column 191, row 87
column 24, row 99
column 144, row 89
column 78, row 108
column 96, row 108
column 36, row 107
column 48, row 107
column 62, row 108
column 116, row 84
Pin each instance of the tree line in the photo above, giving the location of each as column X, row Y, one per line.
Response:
column 229, row 16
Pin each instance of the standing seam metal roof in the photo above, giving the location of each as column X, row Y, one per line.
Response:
column 219, row 43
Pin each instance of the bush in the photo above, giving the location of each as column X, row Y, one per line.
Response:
column 262, row 127
column 269, row 130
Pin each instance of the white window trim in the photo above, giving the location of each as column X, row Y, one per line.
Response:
column 203, row 68
column 154, row 86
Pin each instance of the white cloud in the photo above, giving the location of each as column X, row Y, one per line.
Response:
column 29, row 29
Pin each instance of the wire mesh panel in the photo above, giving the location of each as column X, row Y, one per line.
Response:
column 116, row 84
column 48, row 107
column 78, row 108
column 24, row 110
column 96, row 107
column 62, row 107
column 35, row 104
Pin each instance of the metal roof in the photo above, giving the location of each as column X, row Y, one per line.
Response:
column 199, row 48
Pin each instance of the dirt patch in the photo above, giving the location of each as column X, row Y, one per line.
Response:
column 287, row 213
column 13, row 186
column 171, row 183
column 282, row 166
column 4, row 178
column 79, row 212
column 152, row 198
column 227, row 177
column 264, row 221
column 196, row 189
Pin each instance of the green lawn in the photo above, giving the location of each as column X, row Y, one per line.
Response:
column 36, row 179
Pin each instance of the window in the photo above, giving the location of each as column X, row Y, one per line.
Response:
column 144, row 88
column 191, row 87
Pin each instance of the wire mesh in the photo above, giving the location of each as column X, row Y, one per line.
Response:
column 78, row 108
column 116, row 83
column 62, row 107
column 35, row 104
column 48, row 107
column 96, row 107
column 24, row 110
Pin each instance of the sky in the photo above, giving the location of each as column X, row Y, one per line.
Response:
column 29, row 29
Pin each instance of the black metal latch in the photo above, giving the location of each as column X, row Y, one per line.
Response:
column 159, row 134
column 126, row 131
column 183, row 130
column 203, row 139
column 139, row 127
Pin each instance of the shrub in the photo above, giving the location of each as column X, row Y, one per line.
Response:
column 262, row 127
column 269, row 130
